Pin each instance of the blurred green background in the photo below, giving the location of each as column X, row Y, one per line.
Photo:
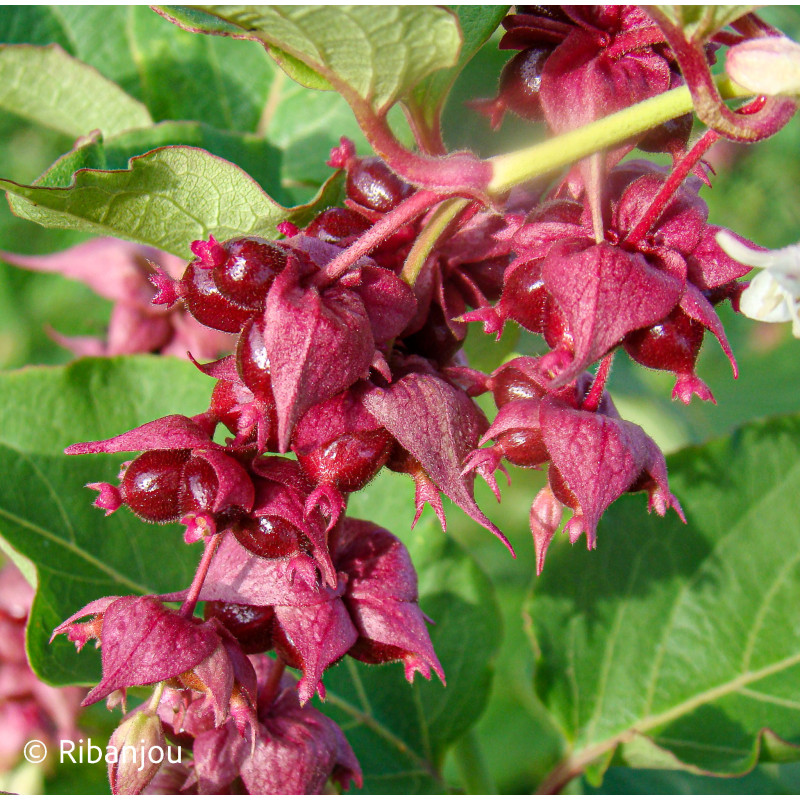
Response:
column 756, row 192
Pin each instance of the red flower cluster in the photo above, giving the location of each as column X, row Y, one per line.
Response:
column 348, row 359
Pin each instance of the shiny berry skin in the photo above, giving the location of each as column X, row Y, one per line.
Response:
column 338, row 226
column 226, row 401
column 521, row 80
column 672, row 345
column 199, row 486
column 252, row 361
column 205, row 303
column 270, row 537
column 151, row 484
column 250, row 625
column 248, row 272
column 350, row 462
column 525, row 298
column 560, row 489
column 523, row 447
column 509, row 384
column 372, row 184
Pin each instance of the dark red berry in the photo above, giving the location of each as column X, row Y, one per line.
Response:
column 525, row 298
column 199, row 486
column 226, row 404
column 556, row 331
column 338, row 226
column 152, row 482
column 523, row 447
column 669, row 137
column 509, row 384
column 372, row 184
column 270, row 537
column 248, row 272
column 251, row 625
column 560, row 489
column 350, row 462
column 521, row 80
column 206, row 304
column 672, row 345
column 252, row 361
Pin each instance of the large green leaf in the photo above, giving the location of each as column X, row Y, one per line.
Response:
column 678, row 644
column 48, row 518
column 45, row 409
column 255, row 155
column 369, row 55
column 167, row 198
column 50, row 87
column 400, row 732
column 176, row 75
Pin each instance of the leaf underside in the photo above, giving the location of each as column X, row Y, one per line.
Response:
column 682, row 641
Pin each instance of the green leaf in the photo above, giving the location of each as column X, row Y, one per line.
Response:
column 34, row 25
column 401, row 732
column 50, row 87
column 178, row 76
column 167, row 198
column 368, row 56
column 477, row 24
column 701, row 22
column 47, row 517
column 45, row 409
column 259, row 158
column 678, row 644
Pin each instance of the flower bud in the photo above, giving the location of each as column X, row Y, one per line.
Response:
column 130, row 767
column 768, row 66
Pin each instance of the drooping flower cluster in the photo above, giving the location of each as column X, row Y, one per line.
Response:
column 348, row 358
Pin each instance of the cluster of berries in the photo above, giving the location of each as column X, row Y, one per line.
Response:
column 350, row 367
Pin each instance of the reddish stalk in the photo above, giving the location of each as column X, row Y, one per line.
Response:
column 592, row 401
column 671, row 185
column 679, row 174
column 193, row 595
column 410, row 208
column 459, row 173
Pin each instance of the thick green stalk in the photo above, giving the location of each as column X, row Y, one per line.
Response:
column 426, row 241
column 511, row 169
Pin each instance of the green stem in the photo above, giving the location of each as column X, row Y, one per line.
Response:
column 472, row 765
column 511, row 169
column 426, row 241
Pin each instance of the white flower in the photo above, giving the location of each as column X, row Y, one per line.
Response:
column 774, row 294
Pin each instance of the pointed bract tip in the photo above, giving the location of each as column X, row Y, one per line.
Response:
column 288, row 229
column 688, row 385
column 166, row 288
column 109, row 497
column 211, row 253
column 342, row 155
